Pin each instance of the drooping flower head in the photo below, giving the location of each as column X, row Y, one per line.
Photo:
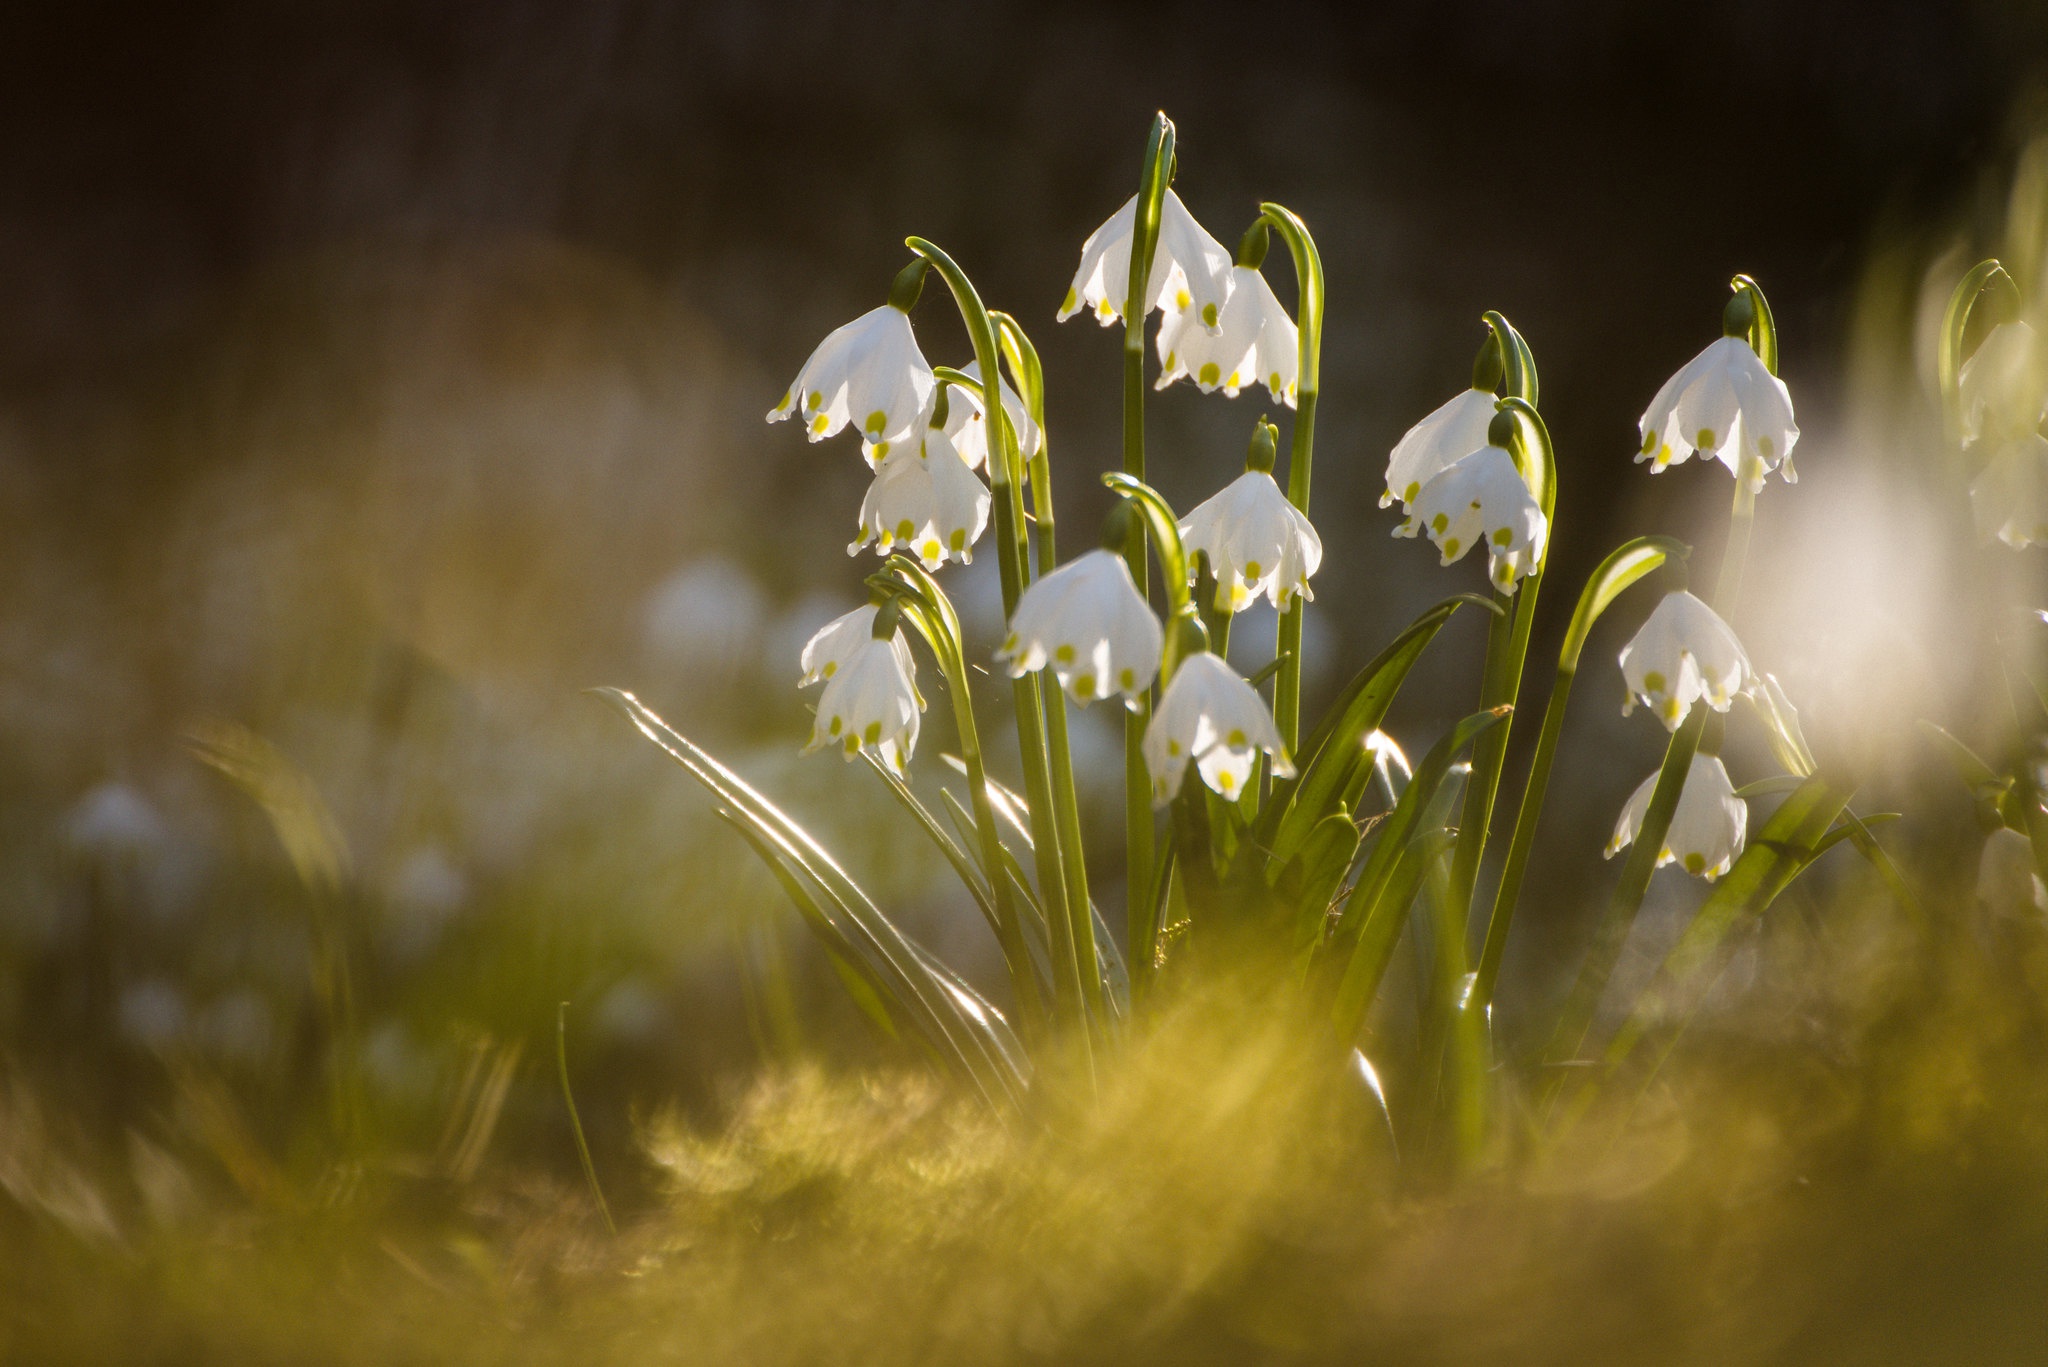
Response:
column 1708, row 830
column 1482, row 499
column 870, row 702
column 869, row 373
column 1684, row 654
column 1190, row 269
column 833, row 644
column 927, row 500
column 1088, row 621
column 1726, row 403
column 2003, row 387
column 1254, row 342
column 966, row 426
column 1442, row 439
column 1210, row 715
column 1257, row 542
column 2009, row 497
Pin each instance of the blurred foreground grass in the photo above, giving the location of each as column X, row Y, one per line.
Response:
column 1847, row 1169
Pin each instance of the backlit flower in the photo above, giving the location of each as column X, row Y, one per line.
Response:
column 1190, row 269
column 927, row 500
column 868, row 373
column 967, row 429
column 1089, row 622
column 1257, row 543
column 1211, row 715
column 1683, row 654
column 2009, row 498
column 1438, row 442
column 1707, row 831
column 2007, row 884
column 1254, row 342
column 1725, row 403
column 2001, row 387
column 870, row 703
column 839, row 640
column 1482, row 500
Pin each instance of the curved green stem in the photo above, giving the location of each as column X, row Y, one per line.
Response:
column 1308, row 274
column 1986, row 275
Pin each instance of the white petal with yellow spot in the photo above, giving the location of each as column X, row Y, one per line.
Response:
column 1482, row 500
column 1210, row 715
column 926, row 500
column 1726, row 403
column 1448, row 435
column 870, row 703
column 1684, row 653
column 868, row 373
column 829, row 648
column 1190, row 269
column 1257, row 542
column 1708, row 829
column 1254, row 342
column 1088, row 621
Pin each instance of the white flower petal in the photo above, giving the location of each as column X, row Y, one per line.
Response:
column 1210, row 715
column 1482, row 500
column 1684, row 653
column 1088, row 621
column 1726, row 403
column 869, row 373
column 1708, row 829
column 871, row 703
column 1257, row 542
column 1187, row 262
column 1448, row 435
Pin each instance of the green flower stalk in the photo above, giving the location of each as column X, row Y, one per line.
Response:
column 1308, row 274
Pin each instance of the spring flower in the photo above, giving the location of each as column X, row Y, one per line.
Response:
column 2000, row 388
column 1190, row 269
column 1254, row 342
column 1089, row 622
column 868, row 372
column 1257, row 543
column 1724, row 403
column 1482, row 499
column 1211, row 715
column 1439, row 441
column 2009, row 498
column 833, row 644
column 2006, row 882
column 967, row 429
column 1707, row 831
column 1682, row 654
column 928, row 500
column 870, row 703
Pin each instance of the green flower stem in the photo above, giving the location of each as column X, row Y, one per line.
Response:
column 928, row 610
column 1023, row 362
column 1624, row 567
column 1986, row 275
column 1138, row 843
column 1308, row 274
column 1006, row 481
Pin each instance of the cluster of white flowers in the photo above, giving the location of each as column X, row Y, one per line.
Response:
column 1223, row 328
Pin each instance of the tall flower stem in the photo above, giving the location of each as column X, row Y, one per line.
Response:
column 1023, row 361
column 1154, row 178
column 1308, row 275
column 1006, row 480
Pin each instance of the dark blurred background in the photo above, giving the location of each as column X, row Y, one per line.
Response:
column 377, row 376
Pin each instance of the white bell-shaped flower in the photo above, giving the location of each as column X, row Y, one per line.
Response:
column 1482, row 500
column 1684, row 654
column 1190, row 269
column 868, row 373
column 1089, row 622
column 1708, row 830
column 1257, row 543
column 870, row 703
column 1210, row 715
column 926, row 499
column 1439, row 441
column 1726, row 403
column 2002, row 389
column 2009, row 498
column 1254, row 342
column 967, row 428
column 2007, row 884
column 833, row 644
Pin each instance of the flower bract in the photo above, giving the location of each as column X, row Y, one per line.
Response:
column 2009, row 497
column 2002, row 390
column 868, row 373
column 1254, row 342
column 1089, row 622
column 927, row 500
column 1707, row 831
column 1448, row 435
column 870, row 703
column 1190, row 269
column 1482, row 500
column 1211, row 715
column 833, row 644
column 1725, row 403
column 1683, row 654
column 1257, row 543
